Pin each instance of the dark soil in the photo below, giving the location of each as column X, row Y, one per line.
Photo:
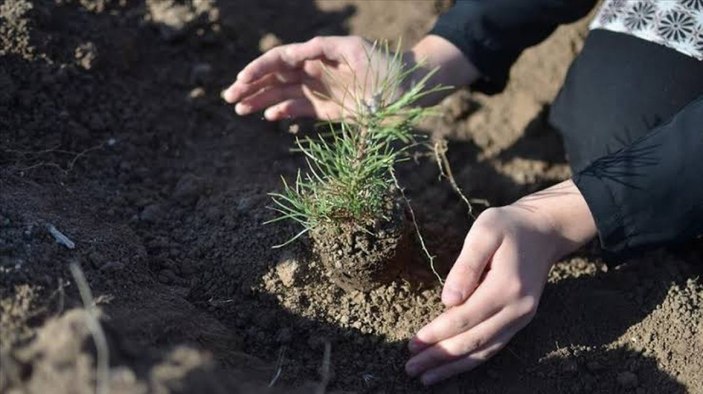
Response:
column 112, row 130
column 361, row 256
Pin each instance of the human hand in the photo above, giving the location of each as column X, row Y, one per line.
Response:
column 493, row 289
column 318, row 78
column 325, row 76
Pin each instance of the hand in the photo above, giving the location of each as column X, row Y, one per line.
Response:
column 291, row 80
column 493, row 289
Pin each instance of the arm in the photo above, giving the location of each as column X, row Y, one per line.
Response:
column 493, row 33
column 651, row 192
column 476, row 42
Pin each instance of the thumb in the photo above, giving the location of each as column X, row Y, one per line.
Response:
column 479, row 247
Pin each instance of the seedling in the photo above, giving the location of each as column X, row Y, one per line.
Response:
column 347, row 199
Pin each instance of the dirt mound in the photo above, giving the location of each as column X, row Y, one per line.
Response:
column 113, row 133
column 61, row 359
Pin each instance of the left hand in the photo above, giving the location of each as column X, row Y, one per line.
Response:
column 493, row 289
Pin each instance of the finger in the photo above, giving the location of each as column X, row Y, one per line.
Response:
column 481, row 306
column 293, row 108
column 460, row 345
column 468, row 362
column 463, row 278
column 240, row 90
column 289, row 57
column 268, row 98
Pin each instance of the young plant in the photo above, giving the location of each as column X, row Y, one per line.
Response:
column 349, row 178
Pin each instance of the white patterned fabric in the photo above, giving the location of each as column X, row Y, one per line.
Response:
column 677, row 24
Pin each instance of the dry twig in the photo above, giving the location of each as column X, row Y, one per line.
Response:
column 102, row 379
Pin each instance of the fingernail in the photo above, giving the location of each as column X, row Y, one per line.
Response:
column 242, row 109
column 270, row 113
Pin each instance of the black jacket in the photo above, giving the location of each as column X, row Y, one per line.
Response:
column 631, row 113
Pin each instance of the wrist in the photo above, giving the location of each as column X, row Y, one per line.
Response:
column 453, row 68
column 566, row 216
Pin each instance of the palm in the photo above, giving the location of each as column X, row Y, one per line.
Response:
column 321, row 78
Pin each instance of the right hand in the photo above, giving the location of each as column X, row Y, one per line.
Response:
column 291, row 80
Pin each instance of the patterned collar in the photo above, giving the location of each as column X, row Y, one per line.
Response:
column 677, row 24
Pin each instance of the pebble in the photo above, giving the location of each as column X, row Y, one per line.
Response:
column 287, row 270
column 269, row 41
column 196, row 93
column 86, row 55
column 344, row 319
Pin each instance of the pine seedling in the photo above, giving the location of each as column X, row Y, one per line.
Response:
column 349, row 174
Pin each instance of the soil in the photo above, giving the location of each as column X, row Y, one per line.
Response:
column 113, row 132
column 361, row 256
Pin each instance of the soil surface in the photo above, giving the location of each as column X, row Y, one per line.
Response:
column 114, row 137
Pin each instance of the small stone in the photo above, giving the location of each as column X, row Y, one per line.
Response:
column 86, row 55
column 269, row 41
column 627, row 380
column 287, row 269
column 196, row 93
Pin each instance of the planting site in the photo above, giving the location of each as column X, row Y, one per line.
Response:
column 119, row 157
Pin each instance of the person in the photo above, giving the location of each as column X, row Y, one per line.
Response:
column 630, row 113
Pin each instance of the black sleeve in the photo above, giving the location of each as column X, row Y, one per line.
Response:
column 651, row 192
column 493, row 33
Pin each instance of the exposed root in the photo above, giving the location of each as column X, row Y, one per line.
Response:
column 430, row 257
column 440, row 152
column 24, row 155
